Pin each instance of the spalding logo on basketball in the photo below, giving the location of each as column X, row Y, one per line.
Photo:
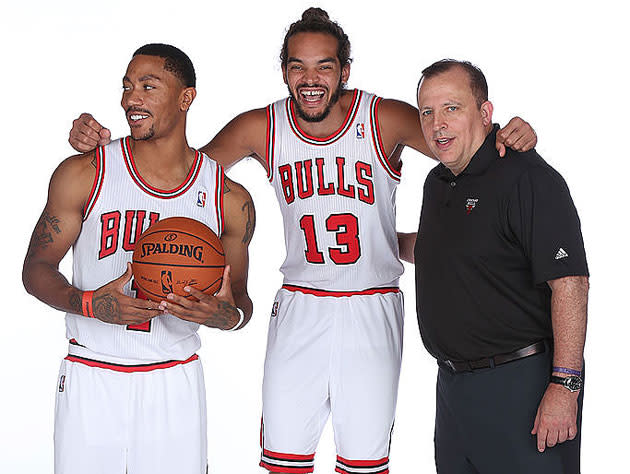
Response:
column 177, row 252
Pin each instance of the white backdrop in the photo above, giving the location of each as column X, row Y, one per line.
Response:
column 559, row 65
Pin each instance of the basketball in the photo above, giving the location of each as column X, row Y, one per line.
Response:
column 176, row 252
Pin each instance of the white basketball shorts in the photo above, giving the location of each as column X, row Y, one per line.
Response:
column 145, row 419
column 331, row 352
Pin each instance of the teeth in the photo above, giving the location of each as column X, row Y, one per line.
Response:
column 137, row 117
column 442, row 140
column 313, row 93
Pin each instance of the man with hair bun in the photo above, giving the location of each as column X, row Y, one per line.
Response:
column 335, row 336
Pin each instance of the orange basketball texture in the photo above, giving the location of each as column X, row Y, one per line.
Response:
column 176, row 252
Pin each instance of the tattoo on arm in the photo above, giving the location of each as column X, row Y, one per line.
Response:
column 106, row 308
column 222, row 317
column 75, row 302
column 43, row 235
column 93, row 162
column 226, row 188
column 248, row 207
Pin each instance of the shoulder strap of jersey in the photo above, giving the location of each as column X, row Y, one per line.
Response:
column 99, row 158
column 271, row 140
column 377, row 142
column 218, row 198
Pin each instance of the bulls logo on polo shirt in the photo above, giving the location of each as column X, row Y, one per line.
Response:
column 470, row 204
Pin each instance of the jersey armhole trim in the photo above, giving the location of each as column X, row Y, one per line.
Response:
column 270, row 144
column 219, row 199
column 378, row 143
column 98, row 182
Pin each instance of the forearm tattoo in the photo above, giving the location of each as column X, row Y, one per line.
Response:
column 106, row 308
column 248, row 207
column 75, row 301
column 223, row 317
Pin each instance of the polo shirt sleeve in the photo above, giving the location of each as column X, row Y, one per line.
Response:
column 543, row 218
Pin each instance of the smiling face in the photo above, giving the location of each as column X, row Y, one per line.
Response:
column 154, row 100
column 454, row 126
column 314, row 75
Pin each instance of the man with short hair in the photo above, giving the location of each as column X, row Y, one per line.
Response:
column 335, row 336
column 502, row 283
column 131, row 394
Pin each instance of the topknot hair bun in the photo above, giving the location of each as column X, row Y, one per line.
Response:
column 315, row 13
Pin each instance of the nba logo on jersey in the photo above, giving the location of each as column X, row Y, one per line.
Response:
column 201, row 198
column 274, row 309
column 361, row 130
column 62, row 383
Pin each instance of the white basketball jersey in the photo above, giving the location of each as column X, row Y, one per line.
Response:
column 338, row 200
column 120, row 207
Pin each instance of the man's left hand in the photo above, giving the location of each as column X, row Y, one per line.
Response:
column 517, row 135
column 217, row 311
column 556, row 420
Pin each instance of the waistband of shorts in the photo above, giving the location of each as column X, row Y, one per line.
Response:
column 339, row 294
column 82, row 355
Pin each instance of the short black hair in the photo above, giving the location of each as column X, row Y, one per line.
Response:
column 175, row 61
column 316, row 20
column 478, row 83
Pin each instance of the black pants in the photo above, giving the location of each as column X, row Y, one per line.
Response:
column 484, row 420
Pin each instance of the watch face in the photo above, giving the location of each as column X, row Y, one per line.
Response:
column 573, row 383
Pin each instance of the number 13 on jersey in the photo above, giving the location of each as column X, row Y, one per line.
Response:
column 346, row 229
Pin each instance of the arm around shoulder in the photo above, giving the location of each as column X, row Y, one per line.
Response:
column 245, row 135
column 399, row 124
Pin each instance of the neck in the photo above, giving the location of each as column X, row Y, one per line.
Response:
column 163, row 162
column 333, row 120
column 476, row 145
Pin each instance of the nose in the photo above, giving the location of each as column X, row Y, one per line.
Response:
column 439, row 121
column 132, row 97
column 310, row 75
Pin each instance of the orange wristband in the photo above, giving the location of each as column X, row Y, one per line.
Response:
column 86, row 304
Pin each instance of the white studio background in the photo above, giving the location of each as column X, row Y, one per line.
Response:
column 560, row 65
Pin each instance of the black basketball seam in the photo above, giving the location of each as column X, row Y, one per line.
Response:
column 142, row 236
column 135, row 262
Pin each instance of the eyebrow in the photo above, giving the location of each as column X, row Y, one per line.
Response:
column 143, row 78
column 329, row 59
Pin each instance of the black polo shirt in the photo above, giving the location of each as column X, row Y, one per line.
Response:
column 489, row 239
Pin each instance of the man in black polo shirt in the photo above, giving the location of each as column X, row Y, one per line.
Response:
column 502, row 282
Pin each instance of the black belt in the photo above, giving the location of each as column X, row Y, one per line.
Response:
column 470, row 365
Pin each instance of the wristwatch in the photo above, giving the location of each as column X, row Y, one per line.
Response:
column 572, row 383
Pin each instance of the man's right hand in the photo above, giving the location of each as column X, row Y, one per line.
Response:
column 111, row 305
column 87, row 134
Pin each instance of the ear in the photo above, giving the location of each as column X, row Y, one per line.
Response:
column 486, row 113
column 186, row 98
column 345, row 74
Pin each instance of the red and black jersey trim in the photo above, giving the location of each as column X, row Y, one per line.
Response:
column 289, row 463
column 99, row 155
column 340, row 132
column 153, row 191
column 219, row 188
column 318, row 292
column 271, row 141
column 378, row 143
column 129, row 368
column 355, row 466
